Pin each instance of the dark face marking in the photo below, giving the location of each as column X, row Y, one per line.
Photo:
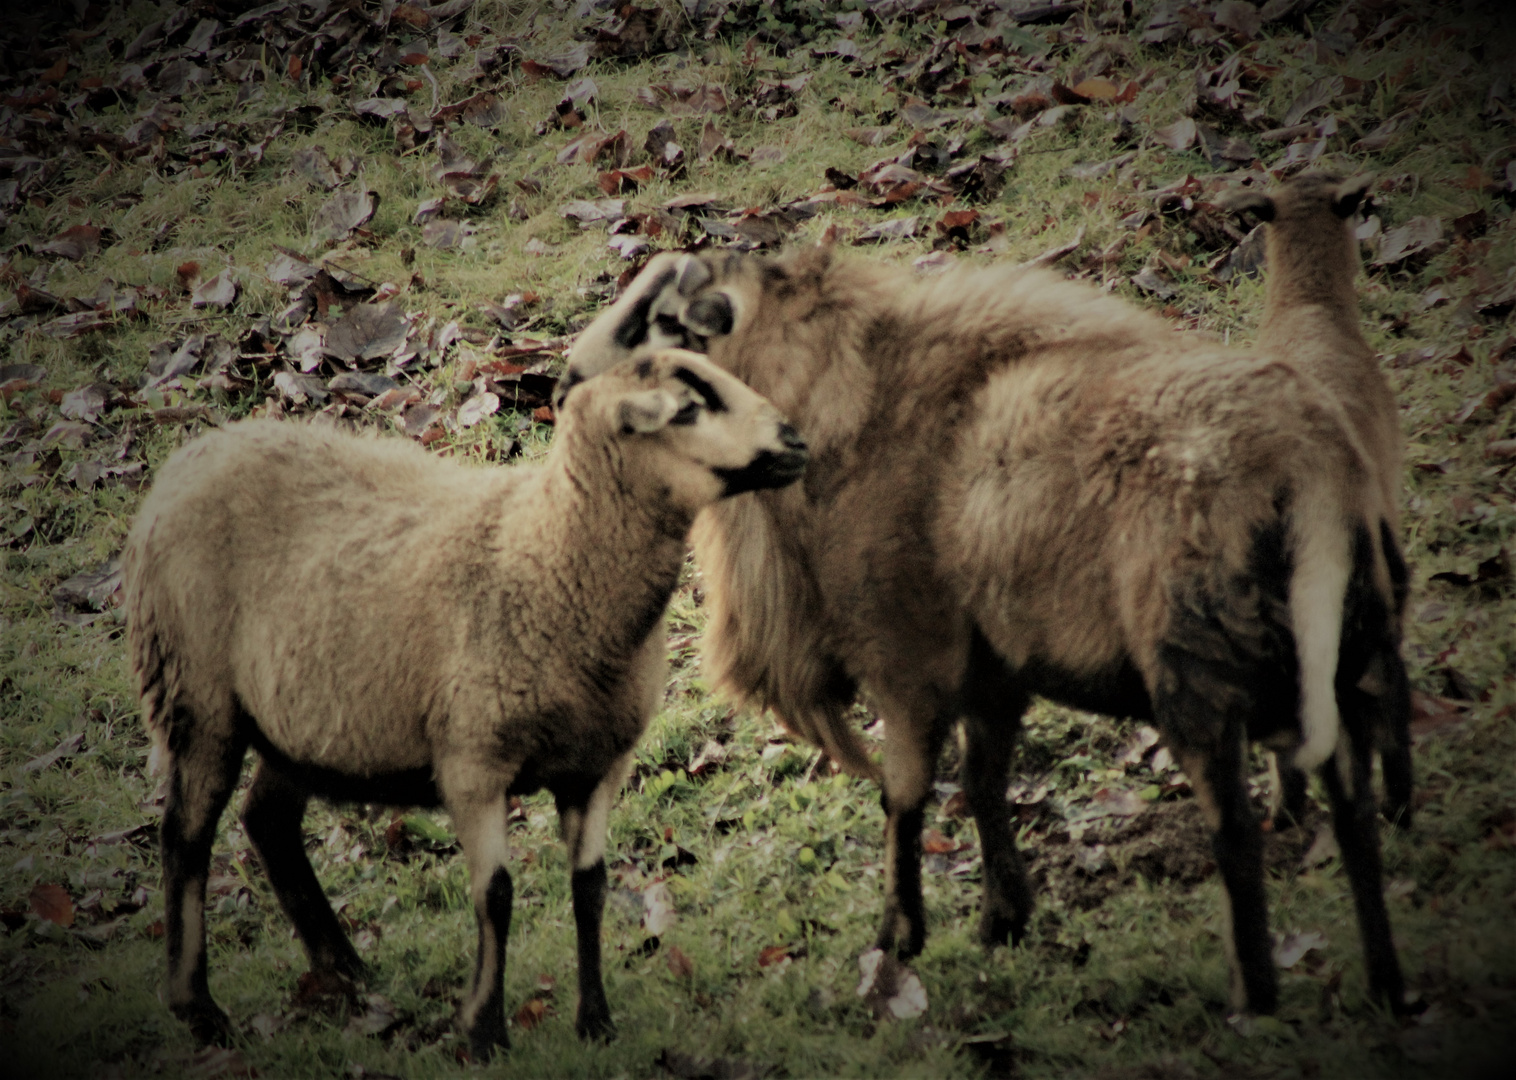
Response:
column 633, row 329
column 767, row 469
column 710, row 315
column 644, row 368
column 571, row 379
column 713, row 400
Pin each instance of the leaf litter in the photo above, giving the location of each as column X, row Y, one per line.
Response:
column 971, row 107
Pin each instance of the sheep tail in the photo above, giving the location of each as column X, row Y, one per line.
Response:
column 151, row 673
column 1318, row 591
column 828, row 728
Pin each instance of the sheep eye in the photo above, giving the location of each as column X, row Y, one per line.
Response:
column 687, row 414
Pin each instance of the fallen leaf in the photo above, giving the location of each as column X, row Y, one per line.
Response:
column 1098, row 89
column 86, row 403
column 889, row 987
column 1433, row 715
column 344, row 212
column 770, row 955
column 51, row 903
column 680, row 965
column 1323, row 847
column 532, row 1012
column 657, row 909
column 937, row 843
column 220, row 291
column 367, row 332
column 73, row 243
column 66, row 749
column 379, row 1017
column 898, row 229
column 477, row 408
column 1290, row 948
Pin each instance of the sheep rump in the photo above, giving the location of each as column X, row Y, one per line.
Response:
column 382, row 624
column 1022, row 486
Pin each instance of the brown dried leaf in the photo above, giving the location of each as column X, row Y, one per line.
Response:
column 1180, row 135
column 532, row 1012
column 72, row 243
column 770, row 955
column 344, row 212
column 66, row 749
column 52, row 903
column 366, row 332
column 680, row 965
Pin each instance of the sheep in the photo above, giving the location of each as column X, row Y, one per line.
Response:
column 1311, row 316
column 1020, row 485
column 384, row 625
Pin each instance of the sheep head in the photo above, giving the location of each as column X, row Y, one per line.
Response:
column 684, row 430
column 1306, row 195
column 679, row 300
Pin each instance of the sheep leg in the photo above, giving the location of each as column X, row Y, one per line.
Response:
column 584, row 831
column 1394, row 717
column 478, row 809
column 991, row 722
column 1287, row 794
column 202, row 776
column 911, row 748
column 1237, row 843
column 1355, row 822
column 272, row 815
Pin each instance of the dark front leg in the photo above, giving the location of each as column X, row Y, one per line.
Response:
column 484, row 1007
column 202, row 778
column 903, row 929
column 986, row 767
column 584, row 811
column 594, row 1018
column 912, row 740
column 1355, row 821
column 272, row 815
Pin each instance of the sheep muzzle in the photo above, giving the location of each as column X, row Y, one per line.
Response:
column 769, row 468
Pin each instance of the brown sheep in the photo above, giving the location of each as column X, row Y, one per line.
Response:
column 1019, row 486
column 385, row 625
column 1311, row 316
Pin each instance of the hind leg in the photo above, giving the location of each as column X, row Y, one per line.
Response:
column 272, row 814
column 1355, row 821
column 203, row 773
column 991, row 722
column 1394, row 726
column 1237, row 842
column 1287, row 797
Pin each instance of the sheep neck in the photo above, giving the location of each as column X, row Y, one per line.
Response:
column 619, row 550
column 1310, row 293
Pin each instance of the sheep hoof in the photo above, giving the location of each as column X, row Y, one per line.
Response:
column 484, row 1038
column 997, row 929
column 595, row 1027
column 207, row 1022
column 901, row 936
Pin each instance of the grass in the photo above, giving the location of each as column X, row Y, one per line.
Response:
column 772, row 864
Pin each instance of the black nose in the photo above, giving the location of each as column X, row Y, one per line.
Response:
column 791, row 438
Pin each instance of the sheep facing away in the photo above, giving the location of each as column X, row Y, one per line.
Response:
column 384, row 625
column 1019, row 485
column 1311, row 316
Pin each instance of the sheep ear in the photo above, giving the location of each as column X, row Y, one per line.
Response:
column 692, row 275
column 646, row 412
column 1350, row 193
column 1243, row 200
column 709, row 315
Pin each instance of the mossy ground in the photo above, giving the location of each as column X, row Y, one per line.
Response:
column 1124, row 972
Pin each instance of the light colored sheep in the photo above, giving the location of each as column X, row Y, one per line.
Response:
column 1311, row 317
column 1019, row 485
column 385, row 625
